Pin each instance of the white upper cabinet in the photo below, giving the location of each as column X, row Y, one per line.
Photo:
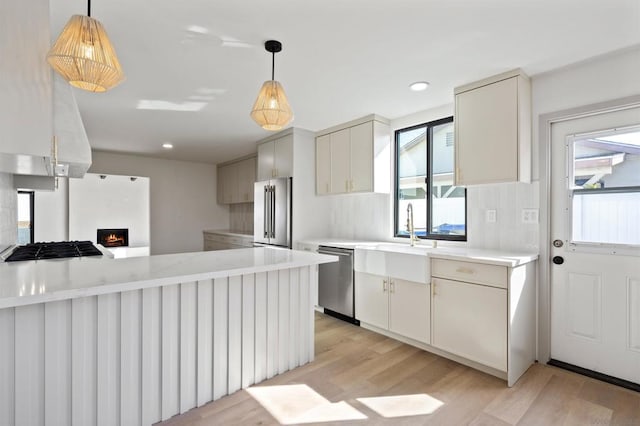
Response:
column 235, row 181
column 493, row 130
column 354, row 157
column 26, row 103
column 275, row 158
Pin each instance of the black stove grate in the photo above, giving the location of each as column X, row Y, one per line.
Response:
column 54, row 250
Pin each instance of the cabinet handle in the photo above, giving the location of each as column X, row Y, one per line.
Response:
column 346, row 185
column 392, row 287
column 433, row 288
column 384, row 285
column 464, row 270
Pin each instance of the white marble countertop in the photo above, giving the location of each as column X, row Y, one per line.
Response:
column 29, row 282
column 493, row 257
column 338, row 242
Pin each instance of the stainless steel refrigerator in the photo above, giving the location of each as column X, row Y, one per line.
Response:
column 272, row 212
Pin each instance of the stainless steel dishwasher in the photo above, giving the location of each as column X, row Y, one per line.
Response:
column 335, row 284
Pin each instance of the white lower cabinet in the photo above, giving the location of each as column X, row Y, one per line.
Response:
column 485, row 313
column 372, row 299
column 470, row 320
column 393, row 304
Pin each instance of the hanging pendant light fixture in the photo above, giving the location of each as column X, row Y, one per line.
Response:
column 271, row 109
column 84, row 56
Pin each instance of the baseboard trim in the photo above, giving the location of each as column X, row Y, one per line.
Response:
column 595, row 375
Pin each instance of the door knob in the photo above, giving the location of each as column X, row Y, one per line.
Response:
column 558, row 260
column 557, row 243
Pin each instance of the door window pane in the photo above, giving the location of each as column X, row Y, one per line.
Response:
column 605, row 196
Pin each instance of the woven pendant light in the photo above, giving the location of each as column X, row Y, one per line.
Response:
column 271, row 110
column 84, row 56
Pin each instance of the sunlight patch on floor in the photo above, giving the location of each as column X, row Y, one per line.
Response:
column 402, row 405
column 294, row 404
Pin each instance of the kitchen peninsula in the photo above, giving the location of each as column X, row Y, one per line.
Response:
column 139, row 340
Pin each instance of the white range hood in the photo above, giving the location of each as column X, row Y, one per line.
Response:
column 74, row 151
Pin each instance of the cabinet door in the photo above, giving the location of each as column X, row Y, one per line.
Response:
column 372, row 299
column 361, row 156
column 229, row 175
column 410, row 309
column 246, row 179
column 340, row 161
column 486, row 134
column 323, row 165
column 283, row 157
column 470, row 320
column 266, row 160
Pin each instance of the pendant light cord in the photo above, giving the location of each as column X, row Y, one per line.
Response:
column 89, row 8
column 273, row 65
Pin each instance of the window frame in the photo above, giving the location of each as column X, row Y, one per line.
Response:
column 429, row 187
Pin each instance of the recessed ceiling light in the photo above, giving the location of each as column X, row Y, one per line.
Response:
column 419, row 86
column 167, row 145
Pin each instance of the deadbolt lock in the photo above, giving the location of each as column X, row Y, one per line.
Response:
column 558, row 243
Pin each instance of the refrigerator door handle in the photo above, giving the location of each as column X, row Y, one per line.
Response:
column 265, row 210
column 273, row 211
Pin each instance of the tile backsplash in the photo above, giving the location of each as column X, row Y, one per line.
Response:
column 241, row 218
column 508, row 232
column 8, row 210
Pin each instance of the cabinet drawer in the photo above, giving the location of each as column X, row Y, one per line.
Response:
column 479, row 273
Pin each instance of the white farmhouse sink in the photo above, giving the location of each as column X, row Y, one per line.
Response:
column 394, row 260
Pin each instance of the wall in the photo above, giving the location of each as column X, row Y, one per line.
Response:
column 51, row 211
column 182, row 198
column 110, row 202
column 8, row 210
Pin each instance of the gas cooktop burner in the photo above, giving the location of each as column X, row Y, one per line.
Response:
column 53, row 250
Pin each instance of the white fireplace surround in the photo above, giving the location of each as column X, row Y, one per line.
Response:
column 101, row 201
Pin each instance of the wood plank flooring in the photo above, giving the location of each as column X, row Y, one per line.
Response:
column 352, row 363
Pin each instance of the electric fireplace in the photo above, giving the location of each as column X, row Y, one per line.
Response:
column 116, row 237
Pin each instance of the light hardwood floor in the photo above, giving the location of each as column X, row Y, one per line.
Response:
column 352, row 362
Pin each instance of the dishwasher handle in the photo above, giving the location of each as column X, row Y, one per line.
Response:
column 335, row 251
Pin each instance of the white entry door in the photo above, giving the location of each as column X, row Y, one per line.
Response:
column 595, row 231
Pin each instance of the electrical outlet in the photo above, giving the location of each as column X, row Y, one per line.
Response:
column 529, row 215
column 492, row 216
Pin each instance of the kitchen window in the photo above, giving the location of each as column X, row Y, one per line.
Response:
column 424, row 164
column 25, row 217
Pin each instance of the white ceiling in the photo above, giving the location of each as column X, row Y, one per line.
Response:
column 340, row 60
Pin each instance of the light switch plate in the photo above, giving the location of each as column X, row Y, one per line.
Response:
column 492, row 216
column 529, row 215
